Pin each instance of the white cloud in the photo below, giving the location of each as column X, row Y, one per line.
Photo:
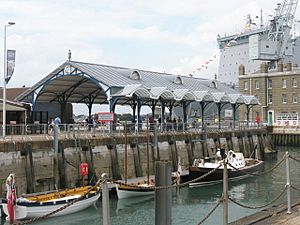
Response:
column 183, row 31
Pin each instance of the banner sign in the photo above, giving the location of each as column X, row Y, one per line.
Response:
column 11, row 57
column 105, row 117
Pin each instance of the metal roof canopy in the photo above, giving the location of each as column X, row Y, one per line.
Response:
column 78, row 82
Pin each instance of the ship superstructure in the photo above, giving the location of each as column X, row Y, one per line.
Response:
column 266, row 43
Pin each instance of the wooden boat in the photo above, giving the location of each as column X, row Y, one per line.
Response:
column 37, row 205
column 142, row 188
column 134, row 190
column 241, row 168
column 138, row 189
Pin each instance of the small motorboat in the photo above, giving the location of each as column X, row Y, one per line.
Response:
column 41, row 204
column 238, row 168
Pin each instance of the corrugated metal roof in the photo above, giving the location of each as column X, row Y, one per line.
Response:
column 79, row 80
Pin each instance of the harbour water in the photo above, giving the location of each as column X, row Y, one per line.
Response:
column 191, row 205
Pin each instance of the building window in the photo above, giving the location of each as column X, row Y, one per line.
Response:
column 270, row 99
column 256, row 84
column 284, row 83
column 270, row 84
column 295, row 99
column 246, row 85
column 294, row 81
column 284, row 98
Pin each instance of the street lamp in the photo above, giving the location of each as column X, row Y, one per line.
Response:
column 5, row 79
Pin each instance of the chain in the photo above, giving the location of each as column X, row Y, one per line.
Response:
column 259, row 173
column 170, row 186
column 210, row 212
column 297, row 160
column 99, row 182
column 258, row 207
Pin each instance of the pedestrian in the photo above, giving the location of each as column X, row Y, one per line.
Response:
column 51, row 125
column 56, row 122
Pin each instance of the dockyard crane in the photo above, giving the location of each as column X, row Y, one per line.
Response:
column 273, row 45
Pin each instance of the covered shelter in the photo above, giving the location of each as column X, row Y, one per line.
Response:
column 89, row 83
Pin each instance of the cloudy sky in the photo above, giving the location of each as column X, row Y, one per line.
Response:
column 174, row 36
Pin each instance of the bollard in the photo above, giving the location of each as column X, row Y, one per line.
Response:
column 163, row 197
column 225, row 193
column 105, row 200
column 288, row 184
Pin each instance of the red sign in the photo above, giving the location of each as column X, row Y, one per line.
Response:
column 106, row 117
column 84, row 169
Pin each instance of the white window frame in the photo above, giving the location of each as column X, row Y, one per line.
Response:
column 284, row 83
column 294, row 80
column 295, row 98
column 269, row 84
column 256, row 84
column 246, row 85
column 284, row 98
column 270, row 99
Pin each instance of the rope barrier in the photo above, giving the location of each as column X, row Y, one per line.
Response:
column 259, row 207
column 210, row 212
column 259, row 173
column 99, row 182
column 170, row 186
column 297, row 160
column 295, row 188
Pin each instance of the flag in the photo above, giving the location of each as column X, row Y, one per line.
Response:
column 10, row 60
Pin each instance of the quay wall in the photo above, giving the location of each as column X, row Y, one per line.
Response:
column 38, row 167
column 285, row 135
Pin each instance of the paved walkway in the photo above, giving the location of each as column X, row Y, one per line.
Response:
column 273, row 216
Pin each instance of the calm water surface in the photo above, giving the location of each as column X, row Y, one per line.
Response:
column 190, row 205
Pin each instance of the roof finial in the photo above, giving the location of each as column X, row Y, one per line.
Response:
column 69, row 55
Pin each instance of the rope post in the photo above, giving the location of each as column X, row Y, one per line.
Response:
column 225, row 192
column 163, row 197
column 288, row 184
column 105, row 200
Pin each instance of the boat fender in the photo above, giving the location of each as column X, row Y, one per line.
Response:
column 11, row 196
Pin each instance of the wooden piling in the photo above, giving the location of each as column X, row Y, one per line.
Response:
column 136, row 159
column 188, row 144
column 29, row 167
column 114, row 161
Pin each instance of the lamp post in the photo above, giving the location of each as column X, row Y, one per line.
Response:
column 5, row 79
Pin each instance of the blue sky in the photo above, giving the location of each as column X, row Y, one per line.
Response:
column 174, row 36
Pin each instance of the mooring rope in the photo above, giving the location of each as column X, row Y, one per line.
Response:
column 170, row 186
column 259, row 207
column 295, row 188
column 211, row 211
column 297, row 160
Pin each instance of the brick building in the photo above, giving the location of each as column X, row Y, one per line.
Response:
column 278, row 91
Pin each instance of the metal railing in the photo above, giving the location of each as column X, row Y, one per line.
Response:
column 71, row 130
